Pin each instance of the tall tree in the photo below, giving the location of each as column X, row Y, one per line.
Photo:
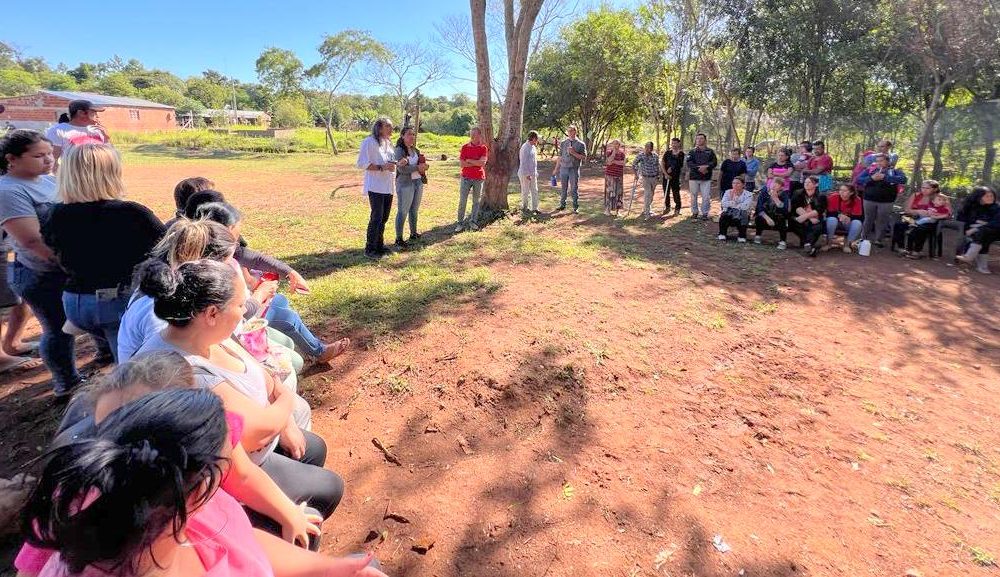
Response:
column 341, row 55
column 505, row 144
column 404, row 69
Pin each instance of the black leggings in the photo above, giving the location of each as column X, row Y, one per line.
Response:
column 672, row 186
column 381, row 207
column 913, row 236
column 304, row 480
column 780, row 225
column 808, row 232
column 986, row 236
column 726, row 221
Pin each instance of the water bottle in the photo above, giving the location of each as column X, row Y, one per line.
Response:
column 865, row 248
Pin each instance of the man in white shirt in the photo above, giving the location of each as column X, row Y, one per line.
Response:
column 83, row 128
column 528, row 173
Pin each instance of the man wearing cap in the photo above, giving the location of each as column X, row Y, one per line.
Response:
column 83, row 127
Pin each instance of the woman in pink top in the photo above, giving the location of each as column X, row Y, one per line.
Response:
column 782, row 167
column 141, row 498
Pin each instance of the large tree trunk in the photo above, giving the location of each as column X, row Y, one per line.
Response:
column 988, row 123
column 937, row 172
column 484, row 100
column 507, row 142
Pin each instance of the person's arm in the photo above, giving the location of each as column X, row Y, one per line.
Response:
column 250, row 485
column 908, row 205
column 369, row 157
column 727, row 201
column 261, row 424
column 28, row 235
column 287, row 560
column 253, row 260
column 713, row 160
column 401, row 166
column 864, row 178
column 895, row 176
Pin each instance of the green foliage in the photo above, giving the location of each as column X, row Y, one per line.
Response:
column 290, row 112
column 207, row 92
column 565, row 86
column 17, row 82
column 280, row 71
column 116, row 84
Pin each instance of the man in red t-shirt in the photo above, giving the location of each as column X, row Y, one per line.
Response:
column 472, row 159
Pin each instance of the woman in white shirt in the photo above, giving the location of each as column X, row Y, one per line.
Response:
column 377, row 158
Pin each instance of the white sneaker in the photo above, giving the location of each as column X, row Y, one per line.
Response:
column 721, row 237
column 781, row 245
column 757, row 240
column 807, row 246
column 459, row 228
column 741, row 239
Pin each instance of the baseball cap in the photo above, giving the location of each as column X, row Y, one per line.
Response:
column 78, row 105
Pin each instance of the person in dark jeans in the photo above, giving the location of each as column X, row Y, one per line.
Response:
column 808, row 210
column 27, row 194
column 377, row 157
column 773, row 207
column 99, row 238
column 672, row 166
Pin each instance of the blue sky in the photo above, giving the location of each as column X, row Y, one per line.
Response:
column 188, row 37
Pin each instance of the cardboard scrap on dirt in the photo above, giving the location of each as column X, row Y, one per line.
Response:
column 464, row 444
column 423, row 545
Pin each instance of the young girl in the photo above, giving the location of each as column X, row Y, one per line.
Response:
column 809, row 207
column 844, row 211
column 614, row 176
column 141, row 498
column 27, row 195
column 781, row 168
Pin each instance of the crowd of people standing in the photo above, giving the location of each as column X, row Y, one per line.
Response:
column 198, row 425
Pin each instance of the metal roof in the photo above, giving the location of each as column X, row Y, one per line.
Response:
column 102, row 100
column 227, row 112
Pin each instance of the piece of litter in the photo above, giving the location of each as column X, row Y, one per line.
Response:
column 720, row 545
column 662, row 557
column 855, row 466
column 696, row 491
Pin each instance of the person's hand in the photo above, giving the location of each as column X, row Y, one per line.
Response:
column 403, row 161
column 878, row 176
column 844, row 219
column 293, row 441
column 297, row 284
column 529, row 178
column 265, row 291
column 703, row 169
column 355, row 567
column 301, row 526
column 768, row 220
column 391, row 166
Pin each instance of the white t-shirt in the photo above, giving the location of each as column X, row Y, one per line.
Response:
column 138, row 325
column 66, row 135
column 377, row 153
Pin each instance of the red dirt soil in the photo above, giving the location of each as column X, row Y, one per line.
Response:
column 826, row 417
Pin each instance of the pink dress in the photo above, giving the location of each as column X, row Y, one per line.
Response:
column 219, row 531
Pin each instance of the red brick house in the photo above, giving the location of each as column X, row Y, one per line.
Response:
column 42, row 109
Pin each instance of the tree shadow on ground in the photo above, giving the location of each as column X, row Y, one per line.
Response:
column 318, row 264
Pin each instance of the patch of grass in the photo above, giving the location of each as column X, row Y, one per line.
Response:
column 599, row 352
column 950, row 502
column 397, row 385
column 982, row 558
column 995, row 494
column 765, row 308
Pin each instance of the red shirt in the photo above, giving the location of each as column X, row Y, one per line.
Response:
column 822, row 163
column 615, row 169
column 853, row 208
column 473, row 152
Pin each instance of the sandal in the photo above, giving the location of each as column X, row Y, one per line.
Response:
column 19, row 364
column 334, row 350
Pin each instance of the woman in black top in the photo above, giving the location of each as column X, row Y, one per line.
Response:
column 808, row 208
column 98, row 238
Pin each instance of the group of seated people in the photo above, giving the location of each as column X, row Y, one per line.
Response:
column 203, row 396
column 819, row 218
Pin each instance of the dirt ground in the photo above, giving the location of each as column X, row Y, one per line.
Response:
column 822, row 417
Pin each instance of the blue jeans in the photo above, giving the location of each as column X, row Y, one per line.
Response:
column 853, row 229
column 408, row 198
column 284, row 319
column 570, row 179
column 467, row 186
column 99, row 317
column 43, row 293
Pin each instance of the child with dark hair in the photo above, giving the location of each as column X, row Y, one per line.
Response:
column 184, row 190
column 142, row 495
